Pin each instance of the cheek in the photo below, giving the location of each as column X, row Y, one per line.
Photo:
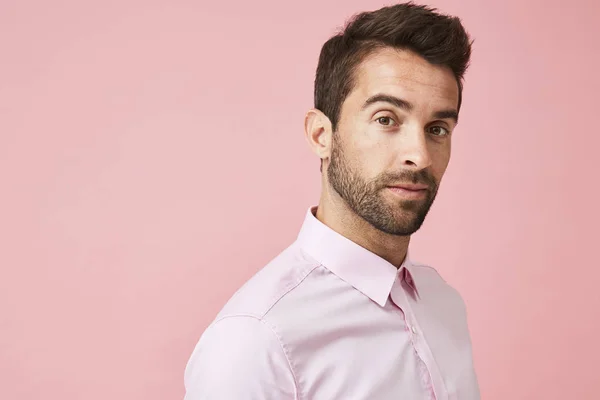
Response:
column 440, row 161
column 365, row 156
column 373, row 158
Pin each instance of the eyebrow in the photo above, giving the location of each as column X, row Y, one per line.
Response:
column 447, row 114
column 407, row 106
column 385, row 98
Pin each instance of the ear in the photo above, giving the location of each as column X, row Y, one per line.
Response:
column 317, row 130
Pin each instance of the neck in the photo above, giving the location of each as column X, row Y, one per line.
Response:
column 335, row 213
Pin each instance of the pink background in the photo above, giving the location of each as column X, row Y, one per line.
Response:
column 152, row 159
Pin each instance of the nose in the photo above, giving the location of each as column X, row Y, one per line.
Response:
column 415, row 149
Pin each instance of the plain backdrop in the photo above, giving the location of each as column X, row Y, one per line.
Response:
column 152, row 159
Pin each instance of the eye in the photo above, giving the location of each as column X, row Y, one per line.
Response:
column 439, row 131
column 385, row 121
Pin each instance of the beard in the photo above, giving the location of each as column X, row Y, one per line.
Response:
column 366, row 198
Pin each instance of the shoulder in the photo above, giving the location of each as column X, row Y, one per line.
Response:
column 433, row 286
column 242, row 354
column 239, row 357
column 269, row 285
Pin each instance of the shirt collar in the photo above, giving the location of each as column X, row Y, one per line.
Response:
column 365, row 271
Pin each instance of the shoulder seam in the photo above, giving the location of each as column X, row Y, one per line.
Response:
column 279, row 340
column 289, row 289
column 287, row 357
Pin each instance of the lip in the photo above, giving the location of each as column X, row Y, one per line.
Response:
column 409, row 191
column 410, row 186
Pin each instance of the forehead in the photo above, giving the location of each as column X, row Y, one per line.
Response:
column 407, row 75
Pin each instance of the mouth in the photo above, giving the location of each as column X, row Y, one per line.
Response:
column 409, row 190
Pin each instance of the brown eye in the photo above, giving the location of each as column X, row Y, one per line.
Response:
column 386, row 121
column 439, row 131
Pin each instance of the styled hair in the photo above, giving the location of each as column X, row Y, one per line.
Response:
column 439, row 39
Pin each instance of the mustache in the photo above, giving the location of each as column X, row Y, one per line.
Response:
column 422, row 177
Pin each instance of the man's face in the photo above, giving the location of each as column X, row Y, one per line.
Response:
column 392, row 143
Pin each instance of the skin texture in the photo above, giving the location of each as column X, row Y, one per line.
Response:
column 384, row 144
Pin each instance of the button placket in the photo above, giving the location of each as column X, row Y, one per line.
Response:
column 419, row 343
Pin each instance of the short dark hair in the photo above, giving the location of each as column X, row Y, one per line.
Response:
column 439, row 39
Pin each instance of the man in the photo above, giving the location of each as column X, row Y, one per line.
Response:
column 343, row 313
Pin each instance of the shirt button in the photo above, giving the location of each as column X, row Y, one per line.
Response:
column 413, row 329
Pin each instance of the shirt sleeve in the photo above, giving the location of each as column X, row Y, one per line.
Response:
column 239, row 357
column 469, row 385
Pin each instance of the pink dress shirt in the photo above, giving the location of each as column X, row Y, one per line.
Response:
column 326, row 320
